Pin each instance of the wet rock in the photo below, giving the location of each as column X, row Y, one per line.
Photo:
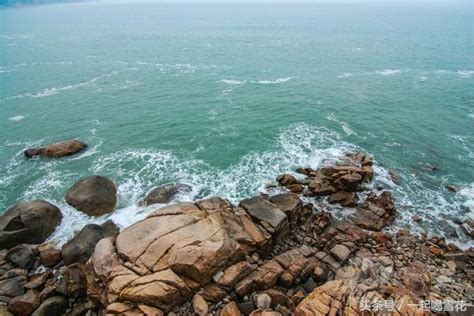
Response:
column 416, row 218
column 286, row 180
column 452, row 187
column 55, row 150
column 49, row 254
column 53, row 306
column 344, row 198
column 349, row 182
column 28, row 222
column 25, row 304
column 200, row 305
column 165, row 193
column 22, row 256
column 94, row 195
column 81, row 246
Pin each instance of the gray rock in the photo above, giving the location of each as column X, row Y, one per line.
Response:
column 165, row 193
column 81, row 246
column 22, row 256
column 53, row 306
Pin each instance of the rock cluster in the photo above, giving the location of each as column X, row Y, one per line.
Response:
column 272, row 255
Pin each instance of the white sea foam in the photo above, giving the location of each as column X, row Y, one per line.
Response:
column 16, row 118
column 345, row 127
column 466, row 73
column 136, row 171
column 345, row 75
column 467, row 197
column 233, row 81
column 56, row 90
column 389, row 72
column 279, row 80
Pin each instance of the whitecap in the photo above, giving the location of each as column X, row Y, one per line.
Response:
column 16, row 118
column 279, row 80
column 465, row 73
column 345, row 75
column 389, row 72
column 345, row 126
column 467, row 198
column 233, row 81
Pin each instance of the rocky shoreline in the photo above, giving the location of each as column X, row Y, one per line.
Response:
column 270, row 255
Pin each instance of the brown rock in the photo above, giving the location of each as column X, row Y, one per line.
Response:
column 267, row 214
column 75, row 278
column 162, row 260
column 264, row 312
column 94, row 195
column 150, row 311
column 200, row 305
column 37, row 280
column 322, row 300
column 263, row 278
column 341, row 252
column 28, row 222
column 230, row 309
column 344, row 198
column 55, row 150
column 49, row 254
column 25, row 304
column 376, row 212
column 290, row 204
column 349, row 182
column 22, row 256
column 286, row 179
column 235, row 273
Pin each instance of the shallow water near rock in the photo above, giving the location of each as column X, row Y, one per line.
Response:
column 227, row 97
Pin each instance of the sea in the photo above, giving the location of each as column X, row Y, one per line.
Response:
column 226, row 96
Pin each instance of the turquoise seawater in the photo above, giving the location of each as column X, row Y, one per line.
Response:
column 227, row 96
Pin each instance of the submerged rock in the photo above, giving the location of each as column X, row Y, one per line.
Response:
column 165, row 193
column 55, row 150
column 94, row 195
column 28, row 222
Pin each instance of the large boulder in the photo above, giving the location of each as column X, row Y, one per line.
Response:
column 55, row 150
column 165, row 193
column 162, row 260
column 81, row 246
column 29, row 222
column 94, row 195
